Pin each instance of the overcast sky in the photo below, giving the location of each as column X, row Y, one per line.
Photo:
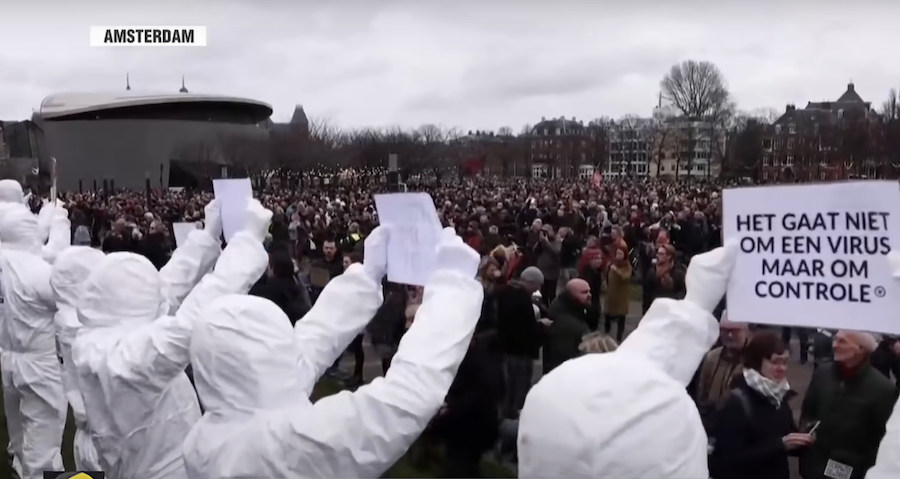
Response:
column 461, row 63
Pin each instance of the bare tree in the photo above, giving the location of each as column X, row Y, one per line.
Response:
column 746, row 151
column 526, row 130
column 890, row 109
column 661, row 135
column 505, row 131
column 696, row 88
column 765, row 116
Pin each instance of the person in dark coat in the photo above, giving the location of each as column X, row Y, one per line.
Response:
column 754, row 432
column 279, row 286
column 388, row 325
column 519, row 337
column 886, row 358
column 852, row 402
column 156, row 246
column 468, row 423
column 570, row 324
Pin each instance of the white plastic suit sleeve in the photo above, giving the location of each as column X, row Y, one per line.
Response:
column 887, row 463
column 45, row 220
column 343, row 309
column 60, row 235
column 189, row 262
column 164, row 346
column 674, row 335
column 380, row 421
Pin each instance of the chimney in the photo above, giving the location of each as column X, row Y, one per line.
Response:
column 573, row 118
column 789, row 108
column 543, row 118
column 850, row 87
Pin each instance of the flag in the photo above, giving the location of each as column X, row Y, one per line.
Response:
column 597, row 178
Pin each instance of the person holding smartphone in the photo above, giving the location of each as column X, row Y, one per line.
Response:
column 754, row 432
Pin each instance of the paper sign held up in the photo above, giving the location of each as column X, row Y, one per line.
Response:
column 415, row 232
column 233, row 195
column 815, row 255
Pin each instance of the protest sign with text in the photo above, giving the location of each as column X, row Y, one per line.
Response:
column 815, row 255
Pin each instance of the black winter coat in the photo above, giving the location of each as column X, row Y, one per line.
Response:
column 750, row 446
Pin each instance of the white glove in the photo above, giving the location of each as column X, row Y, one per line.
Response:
column 375, row 254
column 213, row 215
column 257, row 222
column 894, row 263
column 454, row 255
column 707, row 276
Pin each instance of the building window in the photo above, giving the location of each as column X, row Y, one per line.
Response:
column 585, row 172
column 765, row 175
column 790, row 143
column 840, row 113
column 767, row 144
column 790, row 161
column 822, row 175
column 558, row 131
column 792, row 129
column 539, row 170
column 767, row 160
column 778, row 129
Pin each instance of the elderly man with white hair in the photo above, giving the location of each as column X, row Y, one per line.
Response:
column 850, row 402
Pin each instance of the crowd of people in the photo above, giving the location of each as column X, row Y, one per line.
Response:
column 560, row 266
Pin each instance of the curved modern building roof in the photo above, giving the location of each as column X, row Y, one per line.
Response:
column 67, row 104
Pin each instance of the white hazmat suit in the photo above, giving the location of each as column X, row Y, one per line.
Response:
column 626, row 414
column 34, row 399
column 887, row 463
column 67, row 279
column 131, row 356
column 254, row 374
column 11, row 192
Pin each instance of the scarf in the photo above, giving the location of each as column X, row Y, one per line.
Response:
column 774, row 392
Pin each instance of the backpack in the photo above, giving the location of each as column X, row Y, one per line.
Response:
column 748, row 412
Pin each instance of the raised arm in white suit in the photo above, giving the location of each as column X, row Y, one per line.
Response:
column 252, row 376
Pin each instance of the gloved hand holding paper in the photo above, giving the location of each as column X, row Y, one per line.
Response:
column 415, row 233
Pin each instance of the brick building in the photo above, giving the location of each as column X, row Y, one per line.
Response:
column 826, row 140
column 565, row 148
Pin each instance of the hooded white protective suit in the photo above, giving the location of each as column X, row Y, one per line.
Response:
column 253, row 375
column 55, row 230
column 887, row 464
column 67, row 278
column 33, row 394
column 626, row 414
column 11, row 192
column 130, row 355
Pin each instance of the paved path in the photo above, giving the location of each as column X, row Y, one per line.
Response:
column 798, row 375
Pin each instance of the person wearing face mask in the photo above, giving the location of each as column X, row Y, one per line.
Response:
column 755, row 431
column 638, row 421
column 33, row 394
column 132, row 349
column 66, row 278
column 254, row 374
